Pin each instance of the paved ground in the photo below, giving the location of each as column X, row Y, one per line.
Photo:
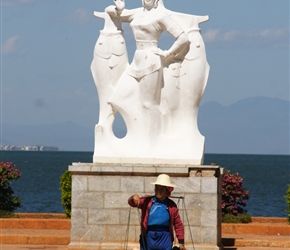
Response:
column 40, row 247
column 33, row 247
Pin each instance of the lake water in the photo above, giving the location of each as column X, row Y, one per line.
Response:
column 265, row 176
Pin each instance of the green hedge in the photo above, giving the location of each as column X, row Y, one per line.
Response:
column 239, row 218
column 65, row 186
column 288, row 202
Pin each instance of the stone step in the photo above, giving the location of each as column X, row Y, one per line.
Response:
column 55, row 231
column 37, row 247
column 269, row 220
column 34, row 236
column 34, row 223
column 59, row 247
column 41, row 215
column 257, row 228
column 240, row 240
column 62, row 237
column 238, row 248
column 252, row 228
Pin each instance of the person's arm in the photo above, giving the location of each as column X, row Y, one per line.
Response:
column 134, row 200
column 116, row 10
column 181, row 39
column 179, row 228
column 178, row 45
column 128, row 15
column 100, row 14
column 112, row 11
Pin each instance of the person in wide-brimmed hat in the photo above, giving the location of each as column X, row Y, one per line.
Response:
column 160, row 217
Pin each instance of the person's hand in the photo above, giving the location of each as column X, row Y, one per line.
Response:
column 181, row 247
column 120, row 5
column 164, row 54
column 111, row 10
column 136, row 199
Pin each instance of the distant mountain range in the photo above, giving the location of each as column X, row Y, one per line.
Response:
column 258, row 125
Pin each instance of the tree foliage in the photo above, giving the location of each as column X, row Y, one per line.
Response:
column 8, row 201
column 65, row 184
column 234, row 195
column 287, row 197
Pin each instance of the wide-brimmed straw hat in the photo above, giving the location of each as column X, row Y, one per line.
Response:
column 163, row 180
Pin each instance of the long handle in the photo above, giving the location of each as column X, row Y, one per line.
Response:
column 142, row 236
column 127, row 230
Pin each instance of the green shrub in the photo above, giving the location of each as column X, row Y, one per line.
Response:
column 65, row 184
column 239, row 218
column 288, row 202
column 8, row 201
column 7, row 214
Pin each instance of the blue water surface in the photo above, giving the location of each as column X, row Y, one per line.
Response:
column 265, row 176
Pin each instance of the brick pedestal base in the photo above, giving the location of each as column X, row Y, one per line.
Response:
column 100, row 211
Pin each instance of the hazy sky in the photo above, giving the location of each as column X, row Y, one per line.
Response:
column 47, row 48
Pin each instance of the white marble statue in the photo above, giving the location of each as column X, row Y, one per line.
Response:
column 109, row 63
column 157, row 94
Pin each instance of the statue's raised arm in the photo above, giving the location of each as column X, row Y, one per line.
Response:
column 111, row 15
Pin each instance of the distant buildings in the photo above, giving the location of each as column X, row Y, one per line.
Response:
column 28, row 148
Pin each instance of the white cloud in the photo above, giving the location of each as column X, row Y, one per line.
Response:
column 80, row 16
column 211, row 35
column 230, row 36
column 270, row 33
column 275, row 38
column 10, row 46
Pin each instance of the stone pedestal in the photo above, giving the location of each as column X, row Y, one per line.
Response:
column 100, row 211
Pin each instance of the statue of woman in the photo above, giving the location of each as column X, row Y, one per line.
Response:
column 137, row 94
column 158, row 93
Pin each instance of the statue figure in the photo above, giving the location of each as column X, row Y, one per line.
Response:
column 158, row 93
column 109, row 63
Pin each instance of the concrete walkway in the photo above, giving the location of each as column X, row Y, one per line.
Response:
column 33, row 247
column 53, row 247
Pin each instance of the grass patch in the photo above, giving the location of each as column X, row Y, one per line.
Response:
column 239, row 218
column 7, row 214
